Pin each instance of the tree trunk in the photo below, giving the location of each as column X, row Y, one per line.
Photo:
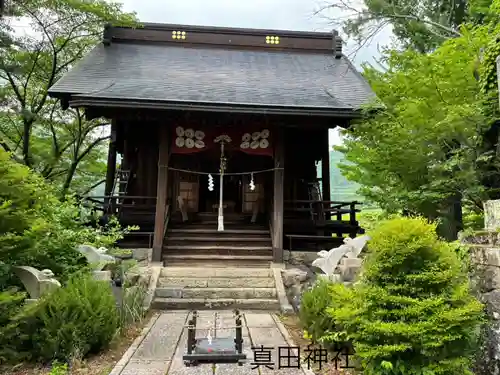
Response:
column 452, row 220
column 69, row 178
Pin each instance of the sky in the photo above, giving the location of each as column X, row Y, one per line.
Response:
column 296, row 15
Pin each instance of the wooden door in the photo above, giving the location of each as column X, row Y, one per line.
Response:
column 189, row 190
column 250, row 197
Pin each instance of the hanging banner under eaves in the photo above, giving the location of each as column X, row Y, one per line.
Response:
column 251, row 140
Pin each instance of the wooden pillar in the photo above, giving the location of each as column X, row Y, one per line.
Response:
column 325, row 167
column 161, row 193
column 111, row 166
column 279, row 174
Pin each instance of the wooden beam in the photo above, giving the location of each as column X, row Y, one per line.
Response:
column 279, row 174
column 161, row 193
column 111, row 166
column 325, row 167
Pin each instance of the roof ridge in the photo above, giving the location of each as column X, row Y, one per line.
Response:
column 226, row 36
column 232, row 30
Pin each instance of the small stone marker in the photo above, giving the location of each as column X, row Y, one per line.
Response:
column 492, row 214
column 96, row 257
column 36, row 282
column 329, row 261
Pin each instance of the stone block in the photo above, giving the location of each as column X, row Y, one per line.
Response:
column 145, row 367
column 259, row 320
column 182, row 282
column 486, row 278
column 488, row 361
column 101, row 275
column 349, row 273
column 351, row 262
column 251, row 282
column 293, row 276
column 161, row 341
column 231, row 293
column 485, row 255
column 141, row 254
column 492, row 302
column 300, row 257
column 492, row 214
column 484, row 237
column 170, row 292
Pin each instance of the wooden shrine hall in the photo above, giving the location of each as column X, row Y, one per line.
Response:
column 219, row 132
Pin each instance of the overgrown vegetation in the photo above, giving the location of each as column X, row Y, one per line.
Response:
column 45, row 155
column 64, row 147
column 411, row 311
column 431, row 147
column 38, row 229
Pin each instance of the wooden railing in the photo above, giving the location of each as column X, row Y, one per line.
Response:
column 109, row 204
column 325, row 210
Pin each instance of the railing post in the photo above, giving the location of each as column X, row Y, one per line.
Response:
column 352, row 212
column 352, row 219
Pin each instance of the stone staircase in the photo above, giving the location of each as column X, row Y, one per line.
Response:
column 247, row 288
column 198, row 243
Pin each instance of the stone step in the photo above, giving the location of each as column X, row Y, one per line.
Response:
column 227, row 223
column 216, row 263
column 216, row 282
column 215, row 238
column 221, row 247
column 215, row 304
column 203, row 273
column 216, row 293
column 215, row 224
column 226, row 214
column 204, row 230
column 188, row 249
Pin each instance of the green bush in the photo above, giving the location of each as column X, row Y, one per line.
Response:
column 412, row 311
column 39, row 230
column 370, row 218
column 73, row 321
column 314, row 315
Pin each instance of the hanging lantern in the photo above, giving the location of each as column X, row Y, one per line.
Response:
column 210, row 183
column 252, row 184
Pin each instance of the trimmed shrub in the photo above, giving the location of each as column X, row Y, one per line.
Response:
column 73, row 321
column 412, row 312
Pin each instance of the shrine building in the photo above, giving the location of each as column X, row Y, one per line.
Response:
column 219, row 132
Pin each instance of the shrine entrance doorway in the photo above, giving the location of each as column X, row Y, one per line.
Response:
column 239, row 193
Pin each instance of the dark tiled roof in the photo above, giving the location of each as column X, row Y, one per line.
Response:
column 158, row 72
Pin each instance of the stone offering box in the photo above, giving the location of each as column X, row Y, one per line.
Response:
column 214, row 349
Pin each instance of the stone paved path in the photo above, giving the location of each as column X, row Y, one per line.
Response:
column 159, row 350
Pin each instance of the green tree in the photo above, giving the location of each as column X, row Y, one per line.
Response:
column 33, row 127
column 425, row 151
column 420, row 25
